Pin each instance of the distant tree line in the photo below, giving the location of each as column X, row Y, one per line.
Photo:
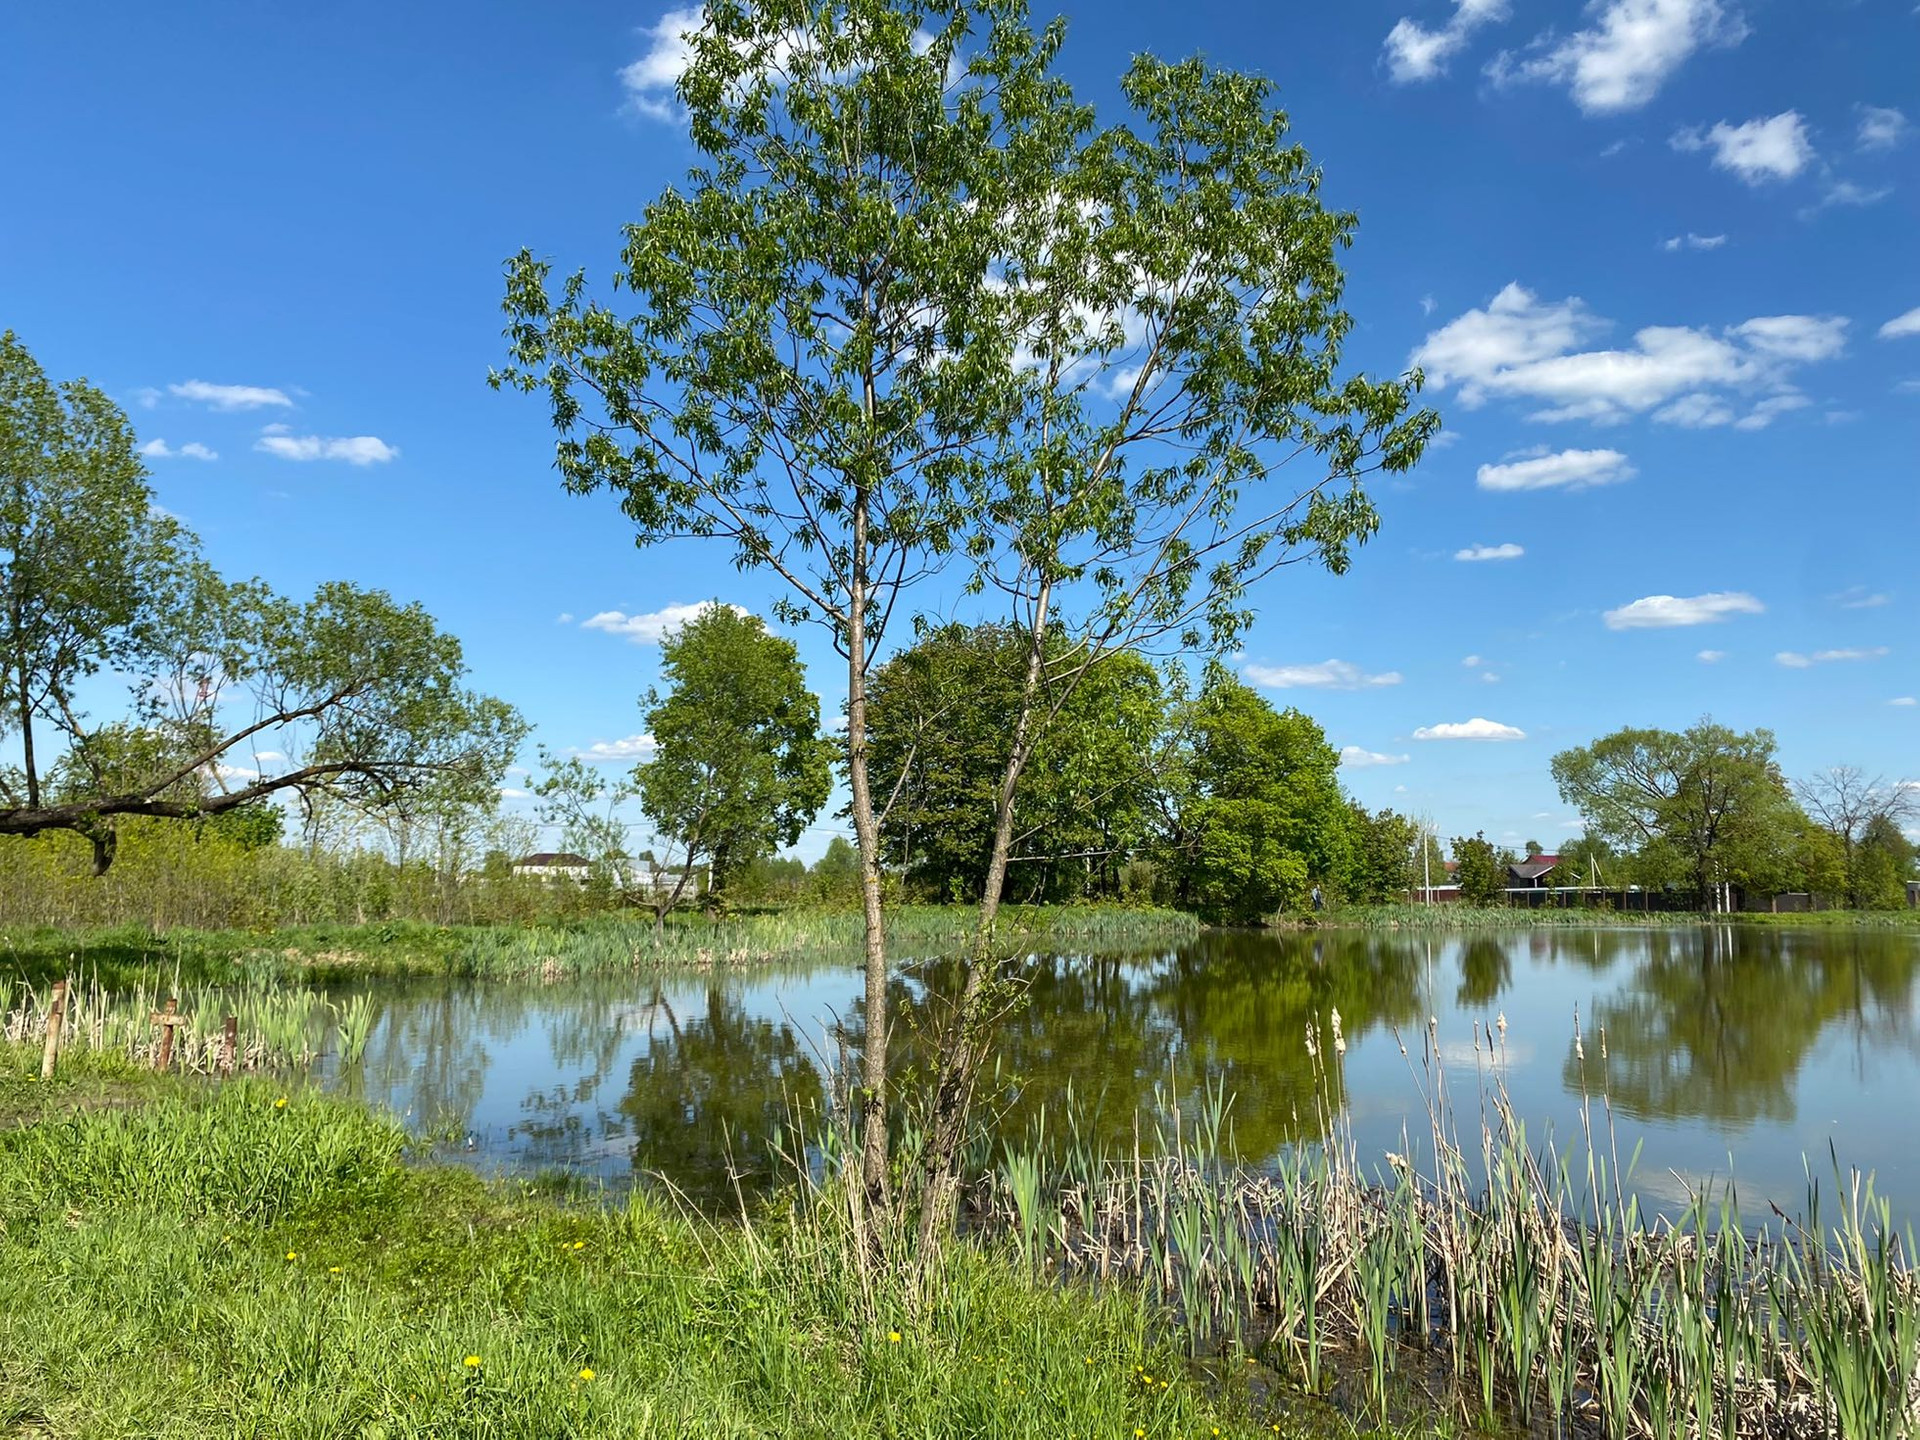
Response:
column 1707, row 810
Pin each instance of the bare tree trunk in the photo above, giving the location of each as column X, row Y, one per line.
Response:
column 874, row 1167
column 26, row 738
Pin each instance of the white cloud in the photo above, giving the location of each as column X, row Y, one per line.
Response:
column 1711, row 657
column 1659, row 612
column 1691, row 241
column 1764, row 414
column 1489, row 677
column 1629, row 51
column 1902, row 326
column 565, row 617
column 507, row 792
column 1327, row 675
column 1903, row 700
column 1477, row 728
column 653, row 627
column 1793, row 660
column 1571, row 469
column 1858, row 597
column 1508, row 551
column 1846, row 192
column 354, row 449
column 1521, row 347
column 1472, row 662
column 1881, row 127
column 230, row 397
column 1795, row 337
column 1414, row 52
column 1774, row 148
column 1907, row 387
column 650, row 80
column 1698, row 411
column 157, row 449
column 1355, row 758
column 607, row 752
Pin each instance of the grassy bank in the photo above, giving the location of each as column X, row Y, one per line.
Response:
column 1502, row 917
column 122, row 956
column 183, row 1262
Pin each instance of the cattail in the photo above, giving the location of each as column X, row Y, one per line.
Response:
column 1503, row 1026
column 1339, row 1040
column 1313, row 1041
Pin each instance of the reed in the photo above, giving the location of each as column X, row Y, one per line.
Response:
column 1533, row 1276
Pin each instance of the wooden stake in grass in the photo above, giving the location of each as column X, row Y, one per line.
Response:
column 169, row 1020
column 229, row 1038
column 56, row 1017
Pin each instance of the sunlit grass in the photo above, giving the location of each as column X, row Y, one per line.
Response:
column 220, row 1263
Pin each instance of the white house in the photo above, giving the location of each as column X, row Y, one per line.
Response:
column 554, row 865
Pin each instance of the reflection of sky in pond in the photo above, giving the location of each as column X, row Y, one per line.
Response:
column 1714, row 1047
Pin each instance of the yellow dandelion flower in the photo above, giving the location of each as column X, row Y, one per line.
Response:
column 281, row 1103
column 333, row 1269
column 293, row 1254
column 893, row 1337
column 579, row 1244
column 472, row 1362
column 586, row 1373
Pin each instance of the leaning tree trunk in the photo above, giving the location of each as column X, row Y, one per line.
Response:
column 964, row 1046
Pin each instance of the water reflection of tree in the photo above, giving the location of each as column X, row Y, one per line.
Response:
column 1717, row 1023
column 429, row 1054
column 1227, row 1009
column 709, row 1095
column 1486, row 969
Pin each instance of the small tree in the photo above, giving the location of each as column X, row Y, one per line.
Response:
column 836, row 874
column 1478, row 871
column 915, row 301
column 739, row 763
column 1849, row 804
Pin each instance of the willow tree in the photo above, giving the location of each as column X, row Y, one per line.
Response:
column 916, row 304
column 234, row 694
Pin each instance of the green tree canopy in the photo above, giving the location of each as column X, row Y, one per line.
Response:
column 1478, row 870
column 236, row 694
column 739, row 765
column 1708, row 802
column 1258, row 816
column 943, row 715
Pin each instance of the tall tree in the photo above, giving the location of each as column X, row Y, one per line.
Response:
column 942, row 719
column 917, row 301
column 1883, row 865
column 1263, row 818
column 1700, row 797
column 1478, row 870
column 1387, row 856
column 739, row 765
column 236, row 693
column 1848, row 803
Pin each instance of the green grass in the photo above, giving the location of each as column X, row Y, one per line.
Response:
column 210, row 1261
column 125, row 955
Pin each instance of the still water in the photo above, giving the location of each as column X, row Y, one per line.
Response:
column 1726, row 1051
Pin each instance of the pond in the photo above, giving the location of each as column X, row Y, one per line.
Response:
column 1713, row 1051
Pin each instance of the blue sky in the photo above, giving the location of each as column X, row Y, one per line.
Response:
column 1655, row 256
